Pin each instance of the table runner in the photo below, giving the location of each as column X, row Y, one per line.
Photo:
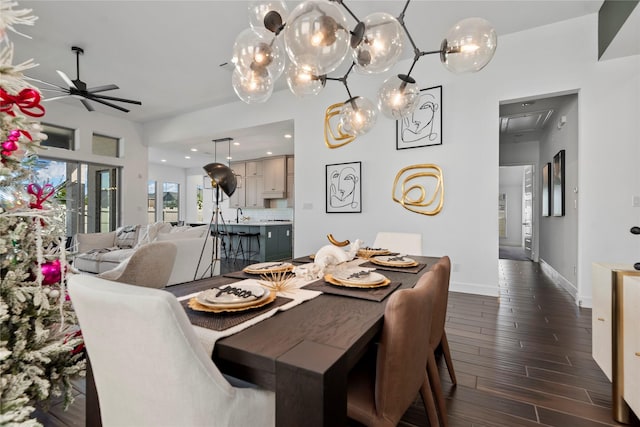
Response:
column 375, row 294
column 208, row 337
column 415, row 269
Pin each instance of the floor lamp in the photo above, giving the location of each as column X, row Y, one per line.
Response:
column 222, row 178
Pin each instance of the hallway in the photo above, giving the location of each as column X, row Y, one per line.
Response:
column 523, row 359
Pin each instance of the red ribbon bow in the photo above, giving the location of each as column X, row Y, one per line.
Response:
column 41, row 194
column 27, row 101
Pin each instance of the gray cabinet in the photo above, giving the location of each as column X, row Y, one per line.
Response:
column 237, row 199
column 275, row 178
column 253, row 192
column 278, row 243
column 290, row 183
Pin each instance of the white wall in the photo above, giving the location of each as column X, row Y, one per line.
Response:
column 134, row 176
column 526, row 63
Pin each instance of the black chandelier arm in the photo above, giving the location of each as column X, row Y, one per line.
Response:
column 341, row 3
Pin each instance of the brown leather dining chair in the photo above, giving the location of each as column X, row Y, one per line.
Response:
column 383, row 384
column 438, row 336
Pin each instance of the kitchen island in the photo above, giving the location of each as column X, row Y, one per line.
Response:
column 274, row 242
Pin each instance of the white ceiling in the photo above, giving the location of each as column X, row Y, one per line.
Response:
column 167, row 53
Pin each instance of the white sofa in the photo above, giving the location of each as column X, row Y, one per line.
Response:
column 101, row 253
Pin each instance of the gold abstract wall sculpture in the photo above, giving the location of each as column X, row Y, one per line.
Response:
column 335, row 138
column 420, row 189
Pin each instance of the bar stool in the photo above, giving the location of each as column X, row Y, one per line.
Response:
column 247, row 237
column 227, row 246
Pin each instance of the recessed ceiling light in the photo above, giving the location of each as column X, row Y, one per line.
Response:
column 194, row 149
column 229, row 157
column 288, row 135
column 527, row 103
column 163, row 160
column 269, row 153
column 187, row 157
column 236, row 143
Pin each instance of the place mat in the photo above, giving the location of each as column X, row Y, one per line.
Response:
column 302, row 260
column 415, row 269
column 374, row 294
column 222, row 321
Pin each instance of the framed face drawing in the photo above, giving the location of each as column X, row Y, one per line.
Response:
column 423, row 127
column 343, row 188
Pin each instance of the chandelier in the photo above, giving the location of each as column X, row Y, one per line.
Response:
column 316, row 38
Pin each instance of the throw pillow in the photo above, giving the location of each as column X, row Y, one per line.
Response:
column 88, row 241
column 126, row 237
column 189, row 234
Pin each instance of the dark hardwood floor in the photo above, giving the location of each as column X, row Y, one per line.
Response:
column 523, row 359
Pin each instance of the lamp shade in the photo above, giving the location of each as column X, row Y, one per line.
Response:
column 381, row 44
column 358, row 116
column 304, row 81
column 252, row 85
column 398, row 96
column 258, row 10
column 469, row 45
column 222, row 177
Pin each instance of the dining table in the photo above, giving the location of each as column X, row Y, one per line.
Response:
column 303, row 354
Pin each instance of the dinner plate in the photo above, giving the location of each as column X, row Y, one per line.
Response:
column 368, row 252
column 233, row 294
column 205, row 297
column 355, row 276
column 330, row 279
column 394, row 261
column 267, row 298
column 268, row 267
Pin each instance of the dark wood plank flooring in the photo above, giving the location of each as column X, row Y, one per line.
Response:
column 523, row 359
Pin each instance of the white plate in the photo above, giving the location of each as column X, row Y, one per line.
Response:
column 351, row 277
column 266, row 267
column 240, row 293
column 395, row 260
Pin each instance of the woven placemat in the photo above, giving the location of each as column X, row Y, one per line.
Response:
column 222, row 321
column 415, row 269
column 375, row 294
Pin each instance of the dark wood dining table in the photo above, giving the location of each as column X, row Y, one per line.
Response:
column 304, row 354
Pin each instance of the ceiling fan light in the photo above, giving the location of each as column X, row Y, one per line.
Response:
column 469, row 46
column 358, row 116
column 303, row 81
column 398, row 96
column 258, row 11
column 252, row 85
column 316, row 35
column 381, row 44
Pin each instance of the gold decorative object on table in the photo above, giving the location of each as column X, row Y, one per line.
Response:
column 337, row 243
column 277, row 281
column 414, row 179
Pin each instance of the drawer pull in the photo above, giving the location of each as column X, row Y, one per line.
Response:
column 601, row 319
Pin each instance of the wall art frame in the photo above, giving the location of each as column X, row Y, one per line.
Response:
column 423, row 127
column 558, row 183
column 343, row 188
column 546, row 190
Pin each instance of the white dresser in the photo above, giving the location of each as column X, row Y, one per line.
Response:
column 616, row 333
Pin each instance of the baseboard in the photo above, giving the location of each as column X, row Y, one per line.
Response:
column 559, row 280
column 474, row 288
column 585, row 302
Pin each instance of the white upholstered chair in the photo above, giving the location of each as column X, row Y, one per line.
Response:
column 149, row 266
column 405, row 243
column 150, row 368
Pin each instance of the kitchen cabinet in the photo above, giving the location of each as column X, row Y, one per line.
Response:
column 275, row 240
column 253, row 168
column 613, row 327
column 275, row 178
column 290, row 182
column 253, row 192
column 237, row 199
column 277, row 243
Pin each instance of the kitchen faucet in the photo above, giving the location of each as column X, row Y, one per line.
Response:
column 238, row 210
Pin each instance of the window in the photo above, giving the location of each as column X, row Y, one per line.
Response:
column 58, row 137
column 151, row 201
column 170, row 202
column 105, row 146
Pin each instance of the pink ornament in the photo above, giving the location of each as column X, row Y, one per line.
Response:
column 51, row 272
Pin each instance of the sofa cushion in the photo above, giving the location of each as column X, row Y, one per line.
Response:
column 89, row 241
column 196, row 232
column 101, row 260
column 149, row 233
column 127, row 237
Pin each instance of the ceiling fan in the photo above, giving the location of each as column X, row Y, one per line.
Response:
column 78, row 89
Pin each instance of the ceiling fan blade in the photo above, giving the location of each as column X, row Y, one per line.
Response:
column 66, row 78
column 44, row 83
column 55, row 97
column 113, row 98
column 61, row 90
column 102, row 88
column 87, row 105
column 117, row 107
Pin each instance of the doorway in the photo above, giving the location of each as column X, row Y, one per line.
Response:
column 515, row 212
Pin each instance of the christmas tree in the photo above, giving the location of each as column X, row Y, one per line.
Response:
column 41, row 348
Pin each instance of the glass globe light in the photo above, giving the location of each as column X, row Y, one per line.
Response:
column 304, row 81
column 381, row 44
column 316, row 35
column 252, row 86
column 398, row 96
column 469, row 45
column 258, row 10
column 259, row 48
column 358, row 116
